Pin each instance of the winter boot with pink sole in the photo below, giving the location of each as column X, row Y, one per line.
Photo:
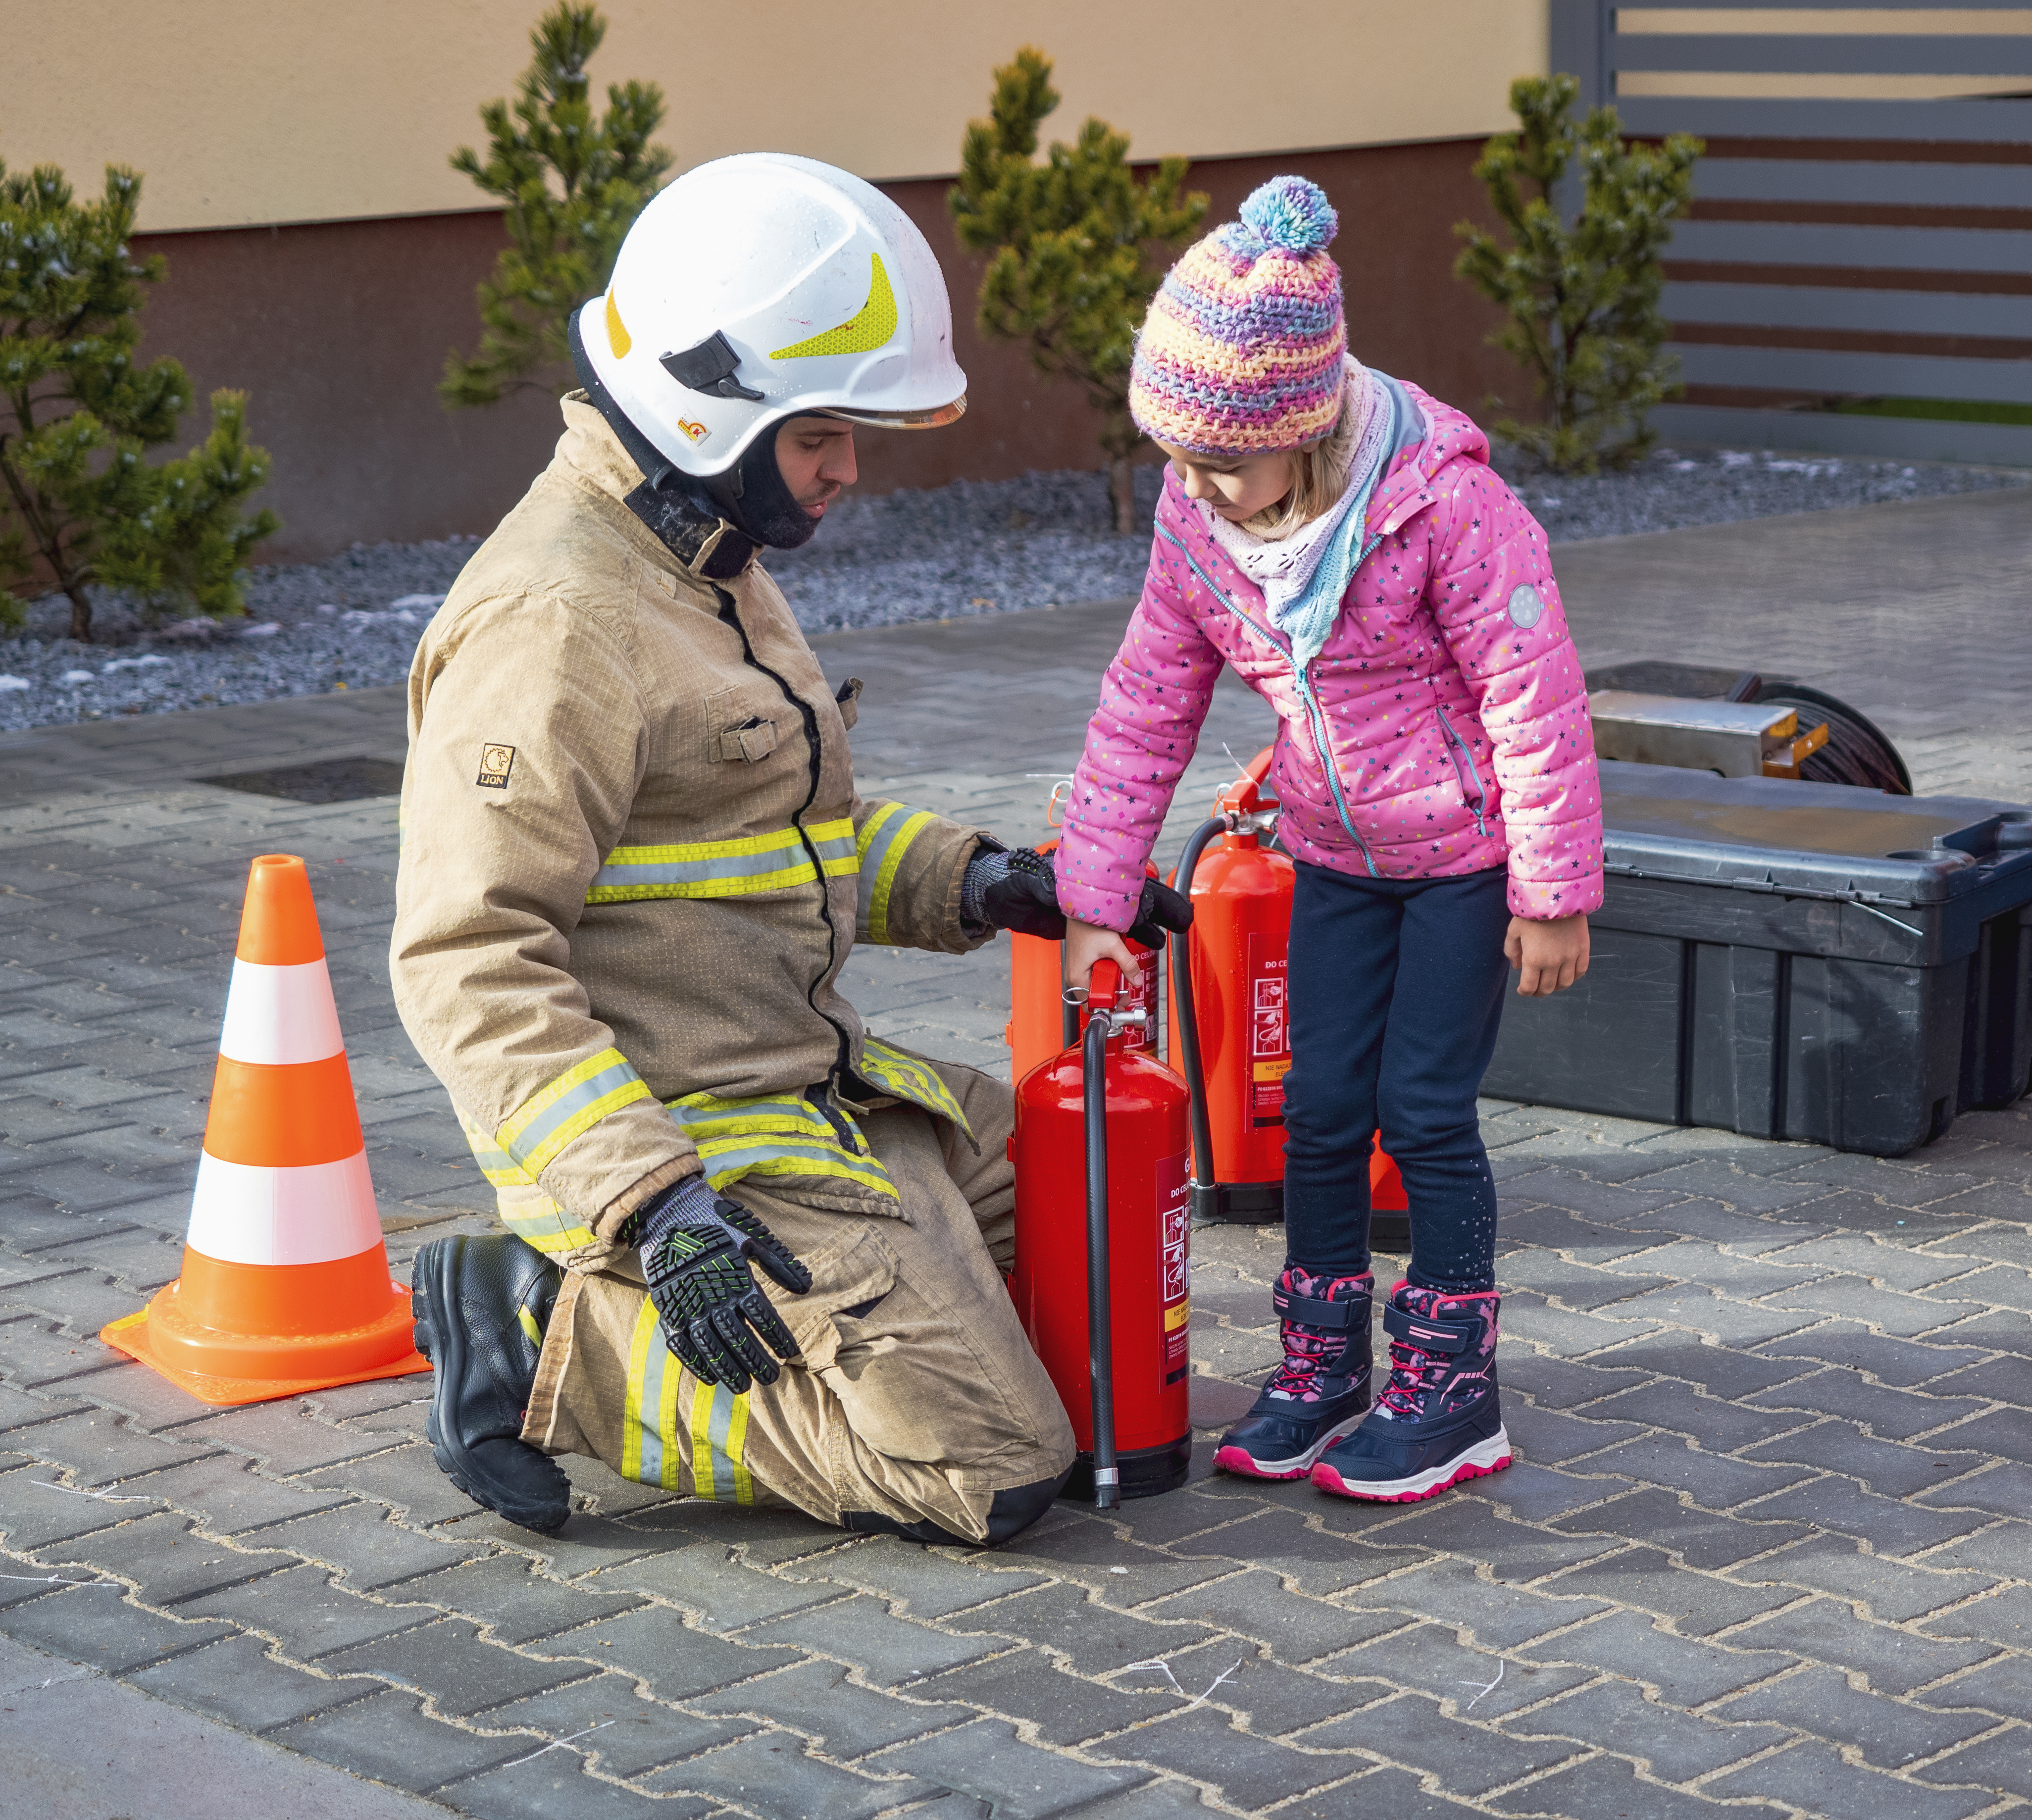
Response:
column 1439, row 1420
column 1320, row 1392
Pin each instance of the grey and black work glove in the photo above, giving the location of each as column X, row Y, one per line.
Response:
column 1018, row 890
column 695, row 1249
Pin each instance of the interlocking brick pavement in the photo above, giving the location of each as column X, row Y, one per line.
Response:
column 1765, row 1550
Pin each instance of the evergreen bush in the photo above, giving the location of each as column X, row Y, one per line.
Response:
column 571, row 189
column 80, row 505
column 1077, row 247
column 1582, row 299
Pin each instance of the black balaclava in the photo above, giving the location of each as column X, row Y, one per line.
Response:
column 685, row 510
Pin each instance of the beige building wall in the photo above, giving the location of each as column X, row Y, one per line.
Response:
column 247, row 112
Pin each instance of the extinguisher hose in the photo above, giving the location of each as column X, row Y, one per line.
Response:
column 1100, row 1338
column 1186, row 1029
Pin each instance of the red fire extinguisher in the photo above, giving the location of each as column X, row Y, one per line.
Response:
column 1100, row 1150
column 1041, row 1023
column 1230, row 989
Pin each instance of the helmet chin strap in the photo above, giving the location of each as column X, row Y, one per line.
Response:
column 752, row 496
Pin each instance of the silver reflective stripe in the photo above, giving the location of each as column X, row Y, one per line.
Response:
column 656, row 1361
column 718, row 1423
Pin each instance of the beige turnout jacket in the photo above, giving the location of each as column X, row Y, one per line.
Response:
column 634, row 863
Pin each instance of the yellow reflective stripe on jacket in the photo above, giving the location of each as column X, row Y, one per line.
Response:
column 908, row 1078
column 774, row 1134
column 576, row 1102
column 540, row 1221
column 713, row 1439
column 736, row 867
column 885, row 837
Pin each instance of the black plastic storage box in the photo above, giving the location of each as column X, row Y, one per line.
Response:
column 1791, row 960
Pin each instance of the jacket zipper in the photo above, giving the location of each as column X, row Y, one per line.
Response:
column 1458, row 752
column 1315, row 719
column 730, row 615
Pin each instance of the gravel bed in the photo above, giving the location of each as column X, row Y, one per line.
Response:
column 968, row 548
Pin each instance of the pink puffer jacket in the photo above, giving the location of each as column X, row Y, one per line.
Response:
column 1450, row 697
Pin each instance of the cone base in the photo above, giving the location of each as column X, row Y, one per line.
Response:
column 384, row 1348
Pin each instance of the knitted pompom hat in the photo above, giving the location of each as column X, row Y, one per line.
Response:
column 1243, row 348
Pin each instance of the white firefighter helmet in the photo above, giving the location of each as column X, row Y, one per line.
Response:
column 760, row 286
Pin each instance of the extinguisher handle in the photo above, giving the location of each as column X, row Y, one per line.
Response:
column 1104, row 984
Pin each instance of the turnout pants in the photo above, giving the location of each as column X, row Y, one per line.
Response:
column 917, row 1406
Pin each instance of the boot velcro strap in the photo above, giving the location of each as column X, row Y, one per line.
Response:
column 1429, row 1335
column 1316, row 1313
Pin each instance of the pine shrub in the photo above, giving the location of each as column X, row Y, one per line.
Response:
column 1582, row 296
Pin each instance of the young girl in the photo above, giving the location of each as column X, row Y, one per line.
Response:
column 1337, row 537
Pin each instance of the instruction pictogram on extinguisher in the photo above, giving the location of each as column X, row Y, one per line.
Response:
column 1270, row 1027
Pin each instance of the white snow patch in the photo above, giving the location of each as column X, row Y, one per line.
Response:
column 7, row 682
column 119, row 664
column 78, row 676
column 267, row 630
column 418, row 600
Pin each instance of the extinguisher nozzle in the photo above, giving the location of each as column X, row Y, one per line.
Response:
column 1107, row 1487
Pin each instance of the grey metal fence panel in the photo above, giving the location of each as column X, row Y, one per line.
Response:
column 1857, row 311
column 1911, row 307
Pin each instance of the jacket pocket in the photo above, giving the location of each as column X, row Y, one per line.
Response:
column 1465, row 773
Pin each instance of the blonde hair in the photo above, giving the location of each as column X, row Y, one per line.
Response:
column 1315, row 487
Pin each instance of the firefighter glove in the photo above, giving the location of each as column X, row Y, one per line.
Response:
column 697, row 1247
column 1018, row 890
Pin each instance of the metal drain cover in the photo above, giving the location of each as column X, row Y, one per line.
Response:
column 329, row 780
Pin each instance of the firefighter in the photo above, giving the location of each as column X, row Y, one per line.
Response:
column 633, row 864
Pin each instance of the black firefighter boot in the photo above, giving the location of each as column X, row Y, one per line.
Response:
column 481, row 1306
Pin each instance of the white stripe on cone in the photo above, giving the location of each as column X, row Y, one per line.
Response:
column 248, row 1213
column 277, row 1015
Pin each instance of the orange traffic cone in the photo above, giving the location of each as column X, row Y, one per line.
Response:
column 285, row 1285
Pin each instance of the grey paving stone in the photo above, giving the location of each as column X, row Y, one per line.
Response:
column 2001, row 1762
column 771, row 1769
column 236, row 1681
column 1253, row 1605
column 725, row 1594
column 652, row 1644
column 1890, row 1468
column 162, row 1556
column 1721, row 1371
column 1720, row 1426
column 1524, row 1220
column 1894, row 1660
column 1749, row 1234
column 1320, row 1560
column 1467, row 1758
column 406, row 1478
column 1685, row 1673
column 1430, row 1658
column 1712, row 1480
column 1552, row 1382
column 2003, row 1379
column 308, row 1616
column 2004, row 1616
column 1889, row 1525
column 887, row 1651
column 558, row 1784
column 96, row 1625
column 1552, row 1436
column 1536, row 1493
column 1469, row 1529
column 96, row 1448
column 1576, row 1283
column 1028, row 1687
column 1696, row 1605
column 922, row 1582
column 1711, row 1178
column 623, row 1731
column 518, row 1605
column 1891, row 1414
column 1670, row 1745
column 1893, row 1591
column 1070, row 1546
column 388, row 1736
column 1700, row 1538
column 1606, row 1785
column 227, row 1496
column 1566, row 1333
column 1887, row 1733
column 37, row 1509
column 1093, row 1640
column 1815, row 1777
column 1249, row 1772
column 1996, row 1330
column 1020, row 1781
column 1901, row 1362
column 448, row 1662
column 34, row 1351
column 1268, row 1697
column 2005, row 1434
column 843, row 1720
column 1498, row 1616
column 370, row 1552
column 1999, row 1552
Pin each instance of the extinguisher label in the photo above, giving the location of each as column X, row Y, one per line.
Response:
column 1142, row 996
column 1270, row 1027
column 1174, row 1229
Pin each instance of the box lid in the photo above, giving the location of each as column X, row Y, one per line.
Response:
column 1762, row 833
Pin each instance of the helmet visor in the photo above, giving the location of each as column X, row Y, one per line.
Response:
column 936, row 418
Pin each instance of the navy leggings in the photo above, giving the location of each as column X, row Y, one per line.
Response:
column 1397, row 988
